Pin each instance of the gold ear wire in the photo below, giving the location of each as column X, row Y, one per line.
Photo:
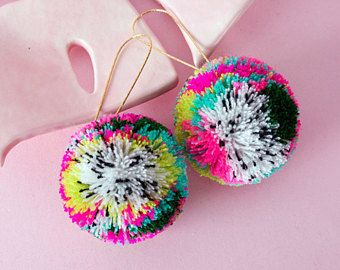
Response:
column 114, row 65
column 181, row 26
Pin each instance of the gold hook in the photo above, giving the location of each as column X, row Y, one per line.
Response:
column 181, row 26
column 113, row 67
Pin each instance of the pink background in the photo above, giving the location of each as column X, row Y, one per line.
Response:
column 291, row 221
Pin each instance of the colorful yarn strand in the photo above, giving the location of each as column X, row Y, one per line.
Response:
column 238, row 120
column 123, row 178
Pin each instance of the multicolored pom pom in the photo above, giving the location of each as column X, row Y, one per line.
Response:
column 238, row 120
column 123, row 178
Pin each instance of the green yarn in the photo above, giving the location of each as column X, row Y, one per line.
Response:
column 163, row 213
column 167, row 209
column 282, row 111
column 115, row 124
column 148, row 124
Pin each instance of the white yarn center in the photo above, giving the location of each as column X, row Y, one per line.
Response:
column 241, row 125
column 119, row 173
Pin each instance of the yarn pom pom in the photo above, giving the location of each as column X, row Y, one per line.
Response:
column 237, row 119
column 123, row 178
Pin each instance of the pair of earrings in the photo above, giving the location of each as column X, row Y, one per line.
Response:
column 123, row 176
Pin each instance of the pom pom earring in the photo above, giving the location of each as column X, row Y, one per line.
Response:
column 236, row 117
column 123, row 177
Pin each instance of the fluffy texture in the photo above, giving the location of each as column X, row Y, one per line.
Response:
column 123, row 178
column 237, row 119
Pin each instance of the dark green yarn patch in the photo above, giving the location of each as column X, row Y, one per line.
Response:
column 115, row 124
column 168, row 208
column 148, row 124
column 282, row 111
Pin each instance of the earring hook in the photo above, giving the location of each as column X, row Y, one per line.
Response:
column 114, row 65
column 180, row 26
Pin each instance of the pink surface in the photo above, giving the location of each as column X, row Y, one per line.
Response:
column 290, row 221
column 39, row 90
column 207, row 31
